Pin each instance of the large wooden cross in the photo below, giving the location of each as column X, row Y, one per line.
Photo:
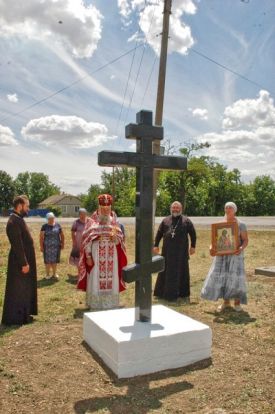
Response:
column 145, row 162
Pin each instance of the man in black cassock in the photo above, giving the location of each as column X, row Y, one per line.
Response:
column 21, row 286
column 174, row 282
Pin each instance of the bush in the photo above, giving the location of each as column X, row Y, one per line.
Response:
column 55, row 210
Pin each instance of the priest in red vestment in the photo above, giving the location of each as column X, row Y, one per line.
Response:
column 102, row 258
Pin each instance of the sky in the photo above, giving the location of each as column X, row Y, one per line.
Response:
column 73, row 73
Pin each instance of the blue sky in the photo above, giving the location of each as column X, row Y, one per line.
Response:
column 50, row 45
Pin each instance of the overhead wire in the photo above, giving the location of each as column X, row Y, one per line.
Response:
column 126, row 87
column 46, row 98
column 226, row 68
column 141, row 59
column 148, row 80
column 137, row 46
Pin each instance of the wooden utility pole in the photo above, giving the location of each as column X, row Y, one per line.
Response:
column 162, row 62
column 161, row 86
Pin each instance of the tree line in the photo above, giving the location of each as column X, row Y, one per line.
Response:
column 202, row 189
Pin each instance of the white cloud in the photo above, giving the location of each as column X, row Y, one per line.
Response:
column 68, row 22
column 7, row 138
column 12, row 98
column 200, row 113
column 248, row 136
column 150, row 22
column 66, row 131
column 250, row 113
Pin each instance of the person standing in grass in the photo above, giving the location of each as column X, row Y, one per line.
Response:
column 20, row 301
column 173, row 284
column 51, row 243
column 102, row 258
column 76, row 232
column 226, row 277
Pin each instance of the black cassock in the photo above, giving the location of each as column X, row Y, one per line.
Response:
column 174, row 281
column 21, row 289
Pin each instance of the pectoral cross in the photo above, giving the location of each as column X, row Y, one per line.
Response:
column 145, row 162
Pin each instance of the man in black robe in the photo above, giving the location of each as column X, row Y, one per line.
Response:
column 174, row 282
column 21, row 286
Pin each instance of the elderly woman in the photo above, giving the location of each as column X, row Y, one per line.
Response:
column 76, row 232
column 226, row 277
column 51, row 242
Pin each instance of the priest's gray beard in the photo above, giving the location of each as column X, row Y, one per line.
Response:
column 176, row 214
column 104, row 219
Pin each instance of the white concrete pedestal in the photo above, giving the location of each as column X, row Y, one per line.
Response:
column 131, row 348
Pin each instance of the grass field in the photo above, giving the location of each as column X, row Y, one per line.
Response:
column 46, row 368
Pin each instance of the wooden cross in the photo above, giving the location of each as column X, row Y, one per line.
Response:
column 145, row 162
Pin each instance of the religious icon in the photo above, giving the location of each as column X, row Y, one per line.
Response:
column 225, row 239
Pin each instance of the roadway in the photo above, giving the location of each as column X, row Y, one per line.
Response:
column 263, row 222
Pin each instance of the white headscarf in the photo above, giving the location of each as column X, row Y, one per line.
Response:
column 231, row 204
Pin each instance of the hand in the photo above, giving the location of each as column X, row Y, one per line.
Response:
column 89, row 261
column 25, row 269
column 192, row 250
column 156, row 250
column 237, row 252
column 62, row 246
column 42, row 249
column 114, row 239
column 211, row 251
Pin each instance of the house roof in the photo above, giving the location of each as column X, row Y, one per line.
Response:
column 54, row 199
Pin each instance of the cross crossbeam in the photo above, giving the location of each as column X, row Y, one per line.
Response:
column 145, row 163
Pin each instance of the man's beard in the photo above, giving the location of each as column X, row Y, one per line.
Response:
column 174, row 214
column 104, row 219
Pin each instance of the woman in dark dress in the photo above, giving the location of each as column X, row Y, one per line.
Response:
column 21, row 287
column 51, row 243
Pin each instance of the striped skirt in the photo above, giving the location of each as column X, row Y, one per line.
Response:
column 226, row 279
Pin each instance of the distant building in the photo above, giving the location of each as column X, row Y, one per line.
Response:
column 69, row 204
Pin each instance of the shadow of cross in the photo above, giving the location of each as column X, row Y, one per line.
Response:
column 145, row 162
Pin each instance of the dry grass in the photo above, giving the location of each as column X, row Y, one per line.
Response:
column 46, row 368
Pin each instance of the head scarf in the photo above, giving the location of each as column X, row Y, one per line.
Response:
column 82, row 210
column 231, row 204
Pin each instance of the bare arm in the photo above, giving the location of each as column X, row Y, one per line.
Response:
column 244, row 238
column 62, row 239
column 41, row 240
column 73, row 237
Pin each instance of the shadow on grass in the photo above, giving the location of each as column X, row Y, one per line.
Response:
column 72, row 279
column 140, row 397
column 78, row 312
column 46, row 282
column 232, row 317
column 7, row 330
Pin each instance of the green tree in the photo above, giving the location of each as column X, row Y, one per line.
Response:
column 7, row 190
column 37, row 186
column 89, row 200
column 56, row 210
column 123, row 181
column 264, row 194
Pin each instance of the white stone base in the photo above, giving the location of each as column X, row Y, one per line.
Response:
column 131, row 348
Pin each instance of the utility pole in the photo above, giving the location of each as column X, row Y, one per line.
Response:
column 161, row 86
column 162, row 62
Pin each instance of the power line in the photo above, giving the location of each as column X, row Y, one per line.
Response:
column 138, row 72
column 226, row 68
column 141, row 59
column 71, row 84
column 126, row 87
column 148, row 80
